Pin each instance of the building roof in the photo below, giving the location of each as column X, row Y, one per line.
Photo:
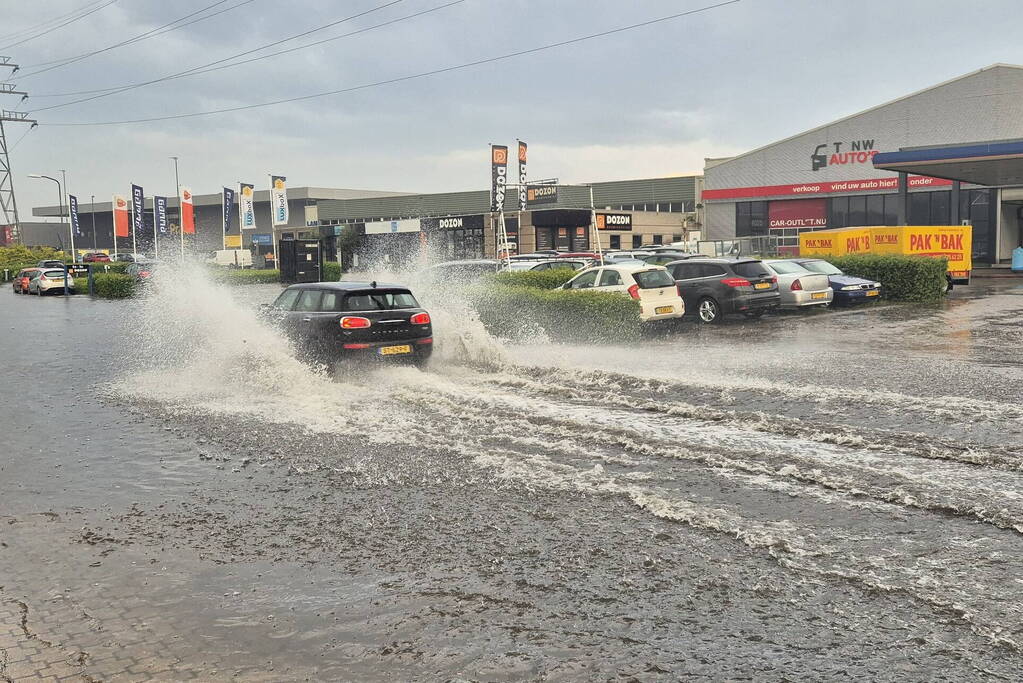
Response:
column 993, row 164
column 865, row 111
column 294, row 193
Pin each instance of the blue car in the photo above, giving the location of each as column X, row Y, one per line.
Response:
column 848, row 289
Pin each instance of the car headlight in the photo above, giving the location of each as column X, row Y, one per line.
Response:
column 849, row 288
column 877, row 285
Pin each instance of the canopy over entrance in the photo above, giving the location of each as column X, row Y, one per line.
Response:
column 994, row 164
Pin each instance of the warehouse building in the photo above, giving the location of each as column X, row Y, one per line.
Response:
column 827, row 178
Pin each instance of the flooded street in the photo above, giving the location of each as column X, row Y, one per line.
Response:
column 804, row 497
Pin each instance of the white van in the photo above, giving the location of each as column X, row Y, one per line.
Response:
column 232, row 258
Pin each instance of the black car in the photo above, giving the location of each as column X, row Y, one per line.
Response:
column 50, row 263
column 335, row 320
column 661, row 258
column 713, row 288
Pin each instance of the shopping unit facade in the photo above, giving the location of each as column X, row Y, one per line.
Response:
column 825, row 177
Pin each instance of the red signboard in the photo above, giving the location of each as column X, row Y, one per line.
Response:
column 6, row 235
column 871, row 185
column 798, row 213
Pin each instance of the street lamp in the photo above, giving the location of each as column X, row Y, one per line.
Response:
column 92, row 208
column 181, row 209
column 60, row 201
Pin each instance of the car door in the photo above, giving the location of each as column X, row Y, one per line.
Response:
column 687, row 277
column 611, row 280
column 302, row 316
column 584, row 280
column 280, row 311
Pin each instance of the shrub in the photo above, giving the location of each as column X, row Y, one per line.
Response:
column 537, row 279
column 246, row 276
column 562, row 315
column 18, row 256
column 113, row 285
column 331, row 272
column 903, row 278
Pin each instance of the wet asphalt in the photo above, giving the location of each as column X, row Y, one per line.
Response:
column 815, row 496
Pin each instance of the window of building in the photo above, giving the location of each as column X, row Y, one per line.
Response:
column 750, row 219
column 858, row 210
column 875, row 209
column 919, row 208
column 838, row 212
column 676, row 238
column 616, row 241
column 891, row 209
column 637, row 241
column 657, row 239
column 941, row 212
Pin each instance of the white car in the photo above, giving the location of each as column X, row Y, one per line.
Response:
column 232, row 258
column 800, row 287
column 48, row 280
column 652, row 286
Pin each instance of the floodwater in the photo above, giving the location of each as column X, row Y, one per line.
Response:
column 805, row 497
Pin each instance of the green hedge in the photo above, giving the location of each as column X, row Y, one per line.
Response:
column 537, row 279
column 573, row 315
column 246, row 276
column 331, row 271
column 113, row 285
column 903, row 278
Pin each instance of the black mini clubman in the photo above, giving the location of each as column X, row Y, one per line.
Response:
column 337, row 320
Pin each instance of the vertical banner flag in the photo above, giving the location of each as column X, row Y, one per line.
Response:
column 72, row 202
column 278, row 200
column 187, row 212
column 228, row 202
column 246, row 207
column 160, row 214
column 522, row 176
column 120, row 216
column 137, row 208
column 498, row 176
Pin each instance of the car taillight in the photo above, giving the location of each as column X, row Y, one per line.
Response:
column 144, row 273
column 356, row 346
column 774, row 280
column 427, row 340
column 354, row 322
column 634, row 291
column 420, row 319
column 736, row 282
column 796, row 286
column 679, row 288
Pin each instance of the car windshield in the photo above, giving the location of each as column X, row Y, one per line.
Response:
column 822, row 267
column 786, row 267
column 379, row 301
column 651, row 279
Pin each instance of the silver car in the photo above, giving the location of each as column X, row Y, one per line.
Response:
column 51, row 279
column 800, row 287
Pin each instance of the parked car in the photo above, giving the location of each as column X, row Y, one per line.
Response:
column 663, row 258
column 713, row 288
column 332, row 321
column 848, row 289
column 542, row 254
column 21, row 280
column 800, row 287
column 231, row 258
column 577, row 254
column 128, row 257
column 460, row 271
column 47, row 280
column 96, row 257
column 651, row 286
column 142, row 271
column 554, row 264
column 50, row 263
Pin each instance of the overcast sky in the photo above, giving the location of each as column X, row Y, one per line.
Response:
column 644, row 103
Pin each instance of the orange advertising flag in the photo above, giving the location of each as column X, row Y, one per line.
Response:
column 121, row 216
column 187, row 212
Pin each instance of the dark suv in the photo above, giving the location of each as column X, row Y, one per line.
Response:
column 334, row 320
column 712, row 288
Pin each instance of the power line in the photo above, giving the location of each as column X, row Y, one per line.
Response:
column 152, row 33
column 203, row 70
column 106, row 92
column 29, row 29
column 61, row 25
column 423, row 74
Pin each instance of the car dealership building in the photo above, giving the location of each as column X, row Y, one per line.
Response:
column 827, row 178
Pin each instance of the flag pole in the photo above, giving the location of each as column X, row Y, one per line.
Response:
column 223, row 213
column 113, row 215
column 181, row 209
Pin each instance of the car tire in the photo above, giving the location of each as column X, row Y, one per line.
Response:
column 708, row 311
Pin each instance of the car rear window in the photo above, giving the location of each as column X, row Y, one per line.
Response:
column 54, row 273
column 652, row 279
column 751, row 269
column 786, row 268
column 379, row 301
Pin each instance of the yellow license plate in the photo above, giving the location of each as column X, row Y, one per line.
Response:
column 661, row 310
column 762, row 285
column 872, row 292
column 819, row 295
column 395, row 350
